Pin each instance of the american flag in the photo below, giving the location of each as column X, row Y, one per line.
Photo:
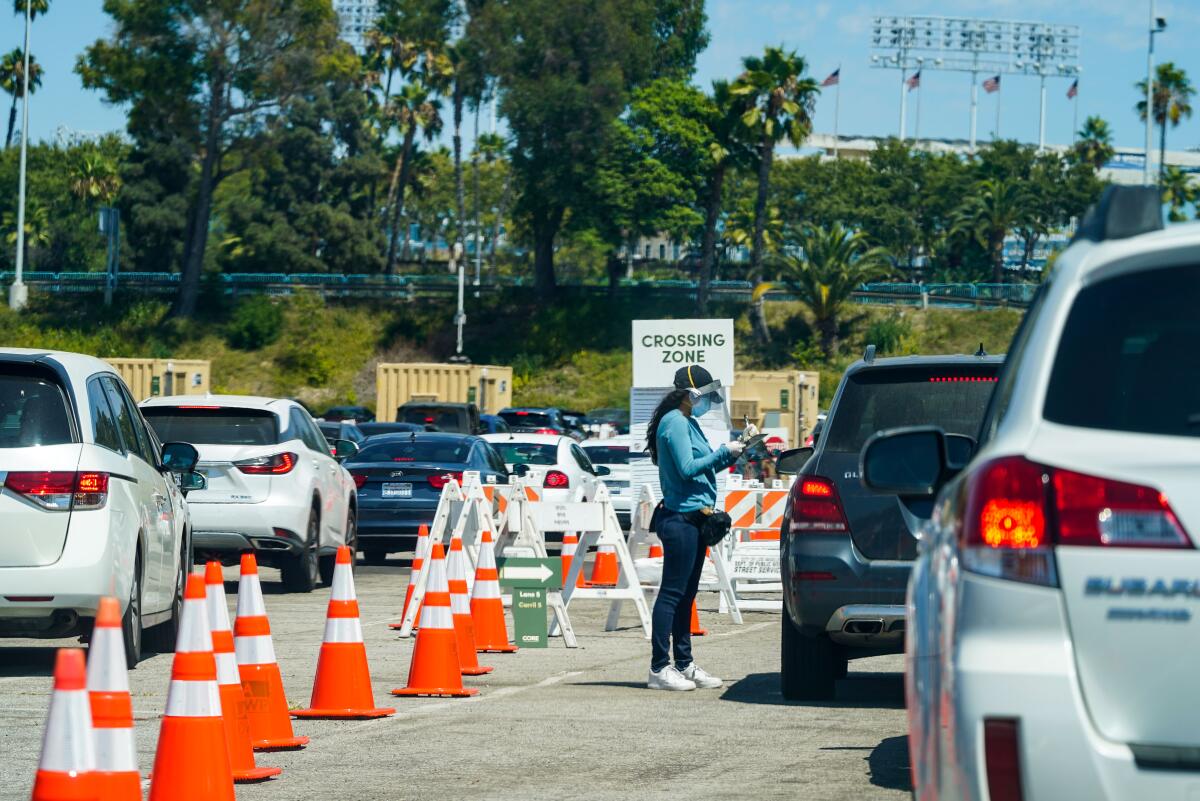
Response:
column 992, row 84
column 1074, row 90
column 914, row 81
column 833, row 78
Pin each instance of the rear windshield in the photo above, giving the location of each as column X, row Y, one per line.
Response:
column 372, row 429
column 1129, row 359
column 527, row 452
column 527, row 419
column 450, row 451
column 608, row 454
column 444, row 419
column 953, row 397
column 33, row 411
column 213, row 426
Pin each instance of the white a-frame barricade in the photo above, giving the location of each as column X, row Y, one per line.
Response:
column 752, row 548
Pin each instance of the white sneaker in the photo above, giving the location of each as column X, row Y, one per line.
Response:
column 697, row 676
column 669, row 679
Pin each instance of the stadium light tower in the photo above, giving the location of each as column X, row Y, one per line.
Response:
column 964, row 44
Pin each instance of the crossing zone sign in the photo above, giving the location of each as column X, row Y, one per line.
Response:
column 660, row 347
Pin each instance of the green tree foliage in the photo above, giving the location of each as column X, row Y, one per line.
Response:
column 1172, row 98
column 1094, row 144
column 12, row 80
column 1177, row 192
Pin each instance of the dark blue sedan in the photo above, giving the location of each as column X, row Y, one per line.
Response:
column 400, row 479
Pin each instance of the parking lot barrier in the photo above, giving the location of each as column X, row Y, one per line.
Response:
column 68, row 759
column 112, row 708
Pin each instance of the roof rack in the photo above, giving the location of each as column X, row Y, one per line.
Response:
column 869, row 354
column 1122, row 212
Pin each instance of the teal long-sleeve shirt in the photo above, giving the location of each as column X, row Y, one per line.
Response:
column 687, row 465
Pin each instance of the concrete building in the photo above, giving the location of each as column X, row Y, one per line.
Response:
column 356, row 17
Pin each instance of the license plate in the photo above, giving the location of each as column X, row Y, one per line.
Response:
column 397, row 490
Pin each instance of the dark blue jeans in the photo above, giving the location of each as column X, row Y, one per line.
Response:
column 683, row 559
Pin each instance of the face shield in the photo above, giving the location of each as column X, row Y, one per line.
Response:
column 707, row 396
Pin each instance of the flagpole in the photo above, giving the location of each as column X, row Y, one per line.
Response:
column 917, row 130
column 996, row 134
column 974, row 104
column 1075, row 113
column 837, row 110
column 903, row 98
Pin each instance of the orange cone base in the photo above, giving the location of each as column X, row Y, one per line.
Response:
column 496, row 649
column 115, row 785
column 696, row 630
column 281, row 744
column 477, row 671
column 255, row 775
column 192, row 762
column 55, row 786
column 461, row 692
column 342, row 688
column 343, row 714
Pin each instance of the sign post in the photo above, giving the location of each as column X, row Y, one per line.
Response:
column 529, row 579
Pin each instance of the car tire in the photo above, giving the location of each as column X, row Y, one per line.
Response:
column 161, row 638
column 808, row 665
column 131, row 621
column 329, row 562
column 300, row 573
column 841, row 665
column 375, row 556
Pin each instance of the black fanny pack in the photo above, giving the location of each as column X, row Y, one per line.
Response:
column 712, row 525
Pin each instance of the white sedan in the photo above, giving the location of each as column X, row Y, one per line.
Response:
column 613, row 453
column 275, row 485
column 565, row 466
column 91, row 504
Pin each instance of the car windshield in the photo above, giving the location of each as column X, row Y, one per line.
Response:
column 1128, row 359
column 953, row 397
column 213, row 426
column 33, row 411
column 527, row 419
column 444, row 451
column 527, row 452
column 608, row 454
column 373, row 429
column 445, row 419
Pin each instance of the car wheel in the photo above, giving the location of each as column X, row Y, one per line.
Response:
column 131, row 622
column 841, row 665
column 807, row 665
column 375, row 556
column 300, row 573
column 162, row 637
column 329, row 562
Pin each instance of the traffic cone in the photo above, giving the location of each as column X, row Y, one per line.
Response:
column 487, row 609
column 229, row 682
column 656, row 550
column 192, row 761
column 266, row 705
column 460, row 609
column 696, row 630
column 65, row 769
column 435, row 669
column 112, row 709
column 604, row 568
column 570, row 546
column 414, row 574
column 342, row 688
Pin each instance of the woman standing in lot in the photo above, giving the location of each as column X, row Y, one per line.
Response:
column 687, row 472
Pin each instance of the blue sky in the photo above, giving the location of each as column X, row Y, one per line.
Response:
column 826, row 32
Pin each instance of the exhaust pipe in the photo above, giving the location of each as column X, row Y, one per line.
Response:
column 863, row 627
column 270, row 545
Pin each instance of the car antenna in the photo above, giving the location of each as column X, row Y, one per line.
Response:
column 869, row 354
column 981, row 352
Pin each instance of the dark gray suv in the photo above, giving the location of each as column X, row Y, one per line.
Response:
column 846, row 550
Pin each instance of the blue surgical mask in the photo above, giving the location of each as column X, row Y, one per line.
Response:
column 701, row 406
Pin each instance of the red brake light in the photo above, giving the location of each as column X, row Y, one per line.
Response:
column 440, row 480
column 428, row 419
column 1002, row 756
column 556, row 479
column 275, row 465
column 198, row 407
column 816, row 506
column 522, row 414
column 963, row 379
column 61, row 491
column 545, row 431
column 1097, row 511
column 359, row 480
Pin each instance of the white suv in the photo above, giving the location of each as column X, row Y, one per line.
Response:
column 275, row 486
column 1054, row 611
column 90, row 506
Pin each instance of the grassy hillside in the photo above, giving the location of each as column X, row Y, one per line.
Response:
column 574, row 352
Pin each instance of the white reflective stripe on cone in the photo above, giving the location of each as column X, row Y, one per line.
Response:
column 343, row 584
column 250, row 600
column 257, row 650
column 218, row 614
column 227, row 669
column 436, row 617
column 343, row 629
column 106, row 670
column 489, row 588
column 460, row 604
column 568, row 549
column 194, row 636
column 193, row 699
column 115, row 751
column 67, row 743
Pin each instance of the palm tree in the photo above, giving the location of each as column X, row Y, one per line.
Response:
column 37, row 228
column 727, row 149
column 37, row 8
column 12, row 80
column 1094, row 145
column 415, row 109
column 491, row 148
column 1172, row 102
column 995, row 207
column 95, row 179
column 780, row 105
column 1177, row 192
column 835, row 263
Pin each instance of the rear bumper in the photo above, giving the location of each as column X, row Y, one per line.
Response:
column 238, row 527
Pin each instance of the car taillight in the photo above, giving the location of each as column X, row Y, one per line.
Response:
column 556, row 479
column 439, row 481
column 1002, row 758
column 61, row 491
column 544, row 431
column 359, row 480
column 1017, row 511
column 816, row 507
column 275, row 465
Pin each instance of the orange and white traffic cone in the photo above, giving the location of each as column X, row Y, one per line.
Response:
column 460, row 609
column 604, row 568
column 192, row 761
column 342, row 688
column 112, row 709
column 570, row 546
column 487, row 608
column 414, row 574
column 266, row 705
column 696, row 630
column 229, row 682
column 656, row 550
column 65, row 769
column 435, row 669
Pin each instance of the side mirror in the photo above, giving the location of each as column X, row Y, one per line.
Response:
column 792, row 461
column 520, row 469
column 602, row 470
column 910, row 462
column 179, row 457
column 344, row 449
column 191, row 481
column 959, row 450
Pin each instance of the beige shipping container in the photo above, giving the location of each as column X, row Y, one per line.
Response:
column 148, row 378
column 777, row 399
column 488, row 386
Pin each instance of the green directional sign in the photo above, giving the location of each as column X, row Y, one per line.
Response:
column 529, row 578
column 519, row 571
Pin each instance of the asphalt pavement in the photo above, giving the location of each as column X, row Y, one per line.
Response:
column 555, row 724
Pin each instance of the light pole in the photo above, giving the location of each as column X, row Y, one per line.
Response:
column 1157, row 25
column 18, row 293
column 460, row 317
